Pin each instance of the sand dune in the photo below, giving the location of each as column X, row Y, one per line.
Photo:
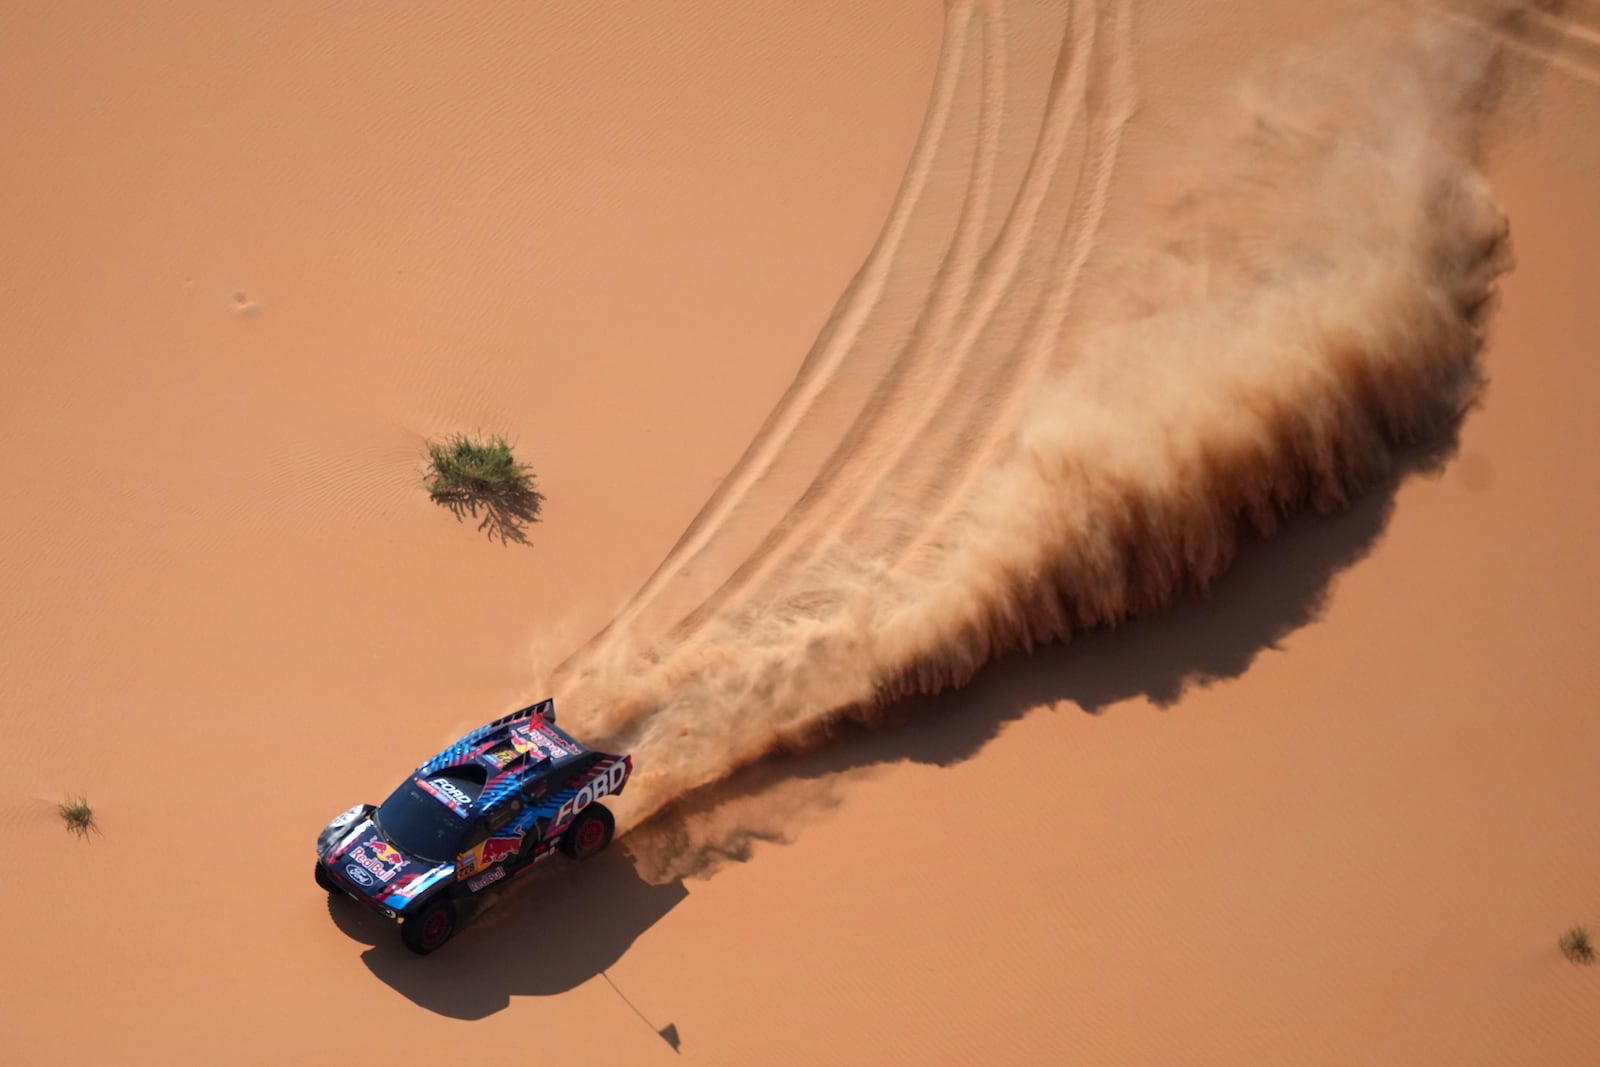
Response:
column 859, row 349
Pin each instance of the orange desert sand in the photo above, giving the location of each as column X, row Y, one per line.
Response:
column 858, row 349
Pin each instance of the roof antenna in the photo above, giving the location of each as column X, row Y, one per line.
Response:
column 667, row 1033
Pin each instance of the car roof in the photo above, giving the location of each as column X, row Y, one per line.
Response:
column 507, row 753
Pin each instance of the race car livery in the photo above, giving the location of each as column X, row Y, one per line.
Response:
column 488, row 808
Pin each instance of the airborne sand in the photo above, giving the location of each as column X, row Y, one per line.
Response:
column 1338, row 811
column 1318, row 314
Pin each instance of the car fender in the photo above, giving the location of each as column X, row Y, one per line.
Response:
column 605, row 779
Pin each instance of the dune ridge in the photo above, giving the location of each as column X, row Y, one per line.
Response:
column 1318, row 313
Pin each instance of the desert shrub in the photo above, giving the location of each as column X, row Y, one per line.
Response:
column 1575, row 945
column 470, row 475
column 466, row 468
column 77, row 814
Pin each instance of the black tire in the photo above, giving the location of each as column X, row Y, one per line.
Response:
column 325, row 880
column 426, row 931
column 589, row 833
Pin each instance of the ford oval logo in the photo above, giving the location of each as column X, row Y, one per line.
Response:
column 360, row 874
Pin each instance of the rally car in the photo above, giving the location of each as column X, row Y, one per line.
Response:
column 491, row 806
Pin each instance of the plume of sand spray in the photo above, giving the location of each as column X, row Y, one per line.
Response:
column 1318, row 312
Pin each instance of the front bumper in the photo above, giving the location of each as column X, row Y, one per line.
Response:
column 337, row 878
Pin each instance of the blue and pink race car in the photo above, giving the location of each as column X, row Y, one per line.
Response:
column 488, row 808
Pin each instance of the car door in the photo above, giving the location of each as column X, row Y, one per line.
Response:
column 470, row 859
column 495, row 839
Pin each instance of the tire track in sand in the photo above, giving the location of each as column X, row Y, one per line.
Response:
column 1073, row 255
column 1544, row 34
column 919, row 377
column 821, row 365
column 939, row 443
column 989, row 329
column 945, row 453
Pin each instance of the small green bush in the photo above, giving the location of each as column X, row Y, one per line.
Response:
column 78, row 816
column 468, row 475
column 1575, row 945
column 463, row 468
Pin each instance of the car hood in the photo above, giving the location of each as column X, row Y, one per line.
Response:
column 369, row 866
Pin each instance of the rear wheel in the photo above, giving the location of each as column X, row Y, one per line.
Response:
column 325, row 880
column 589, row 833
column 431, row 928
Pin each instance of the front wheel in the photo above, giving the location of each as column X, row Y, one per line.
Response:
column 589, row 833
column 325, row 880
column 433, row 927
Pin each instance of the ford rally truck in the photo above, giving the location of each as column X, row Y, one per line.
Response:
column 488, row 808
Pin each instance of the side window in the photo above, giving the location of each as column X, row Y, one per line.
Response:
column 498, row 818
column 475, row 836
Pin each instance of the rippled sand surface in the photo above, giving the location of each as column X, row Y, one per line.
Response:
column 859, row 350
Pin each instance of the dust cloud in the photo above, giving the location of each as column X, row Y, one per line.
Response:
column 1314, row 308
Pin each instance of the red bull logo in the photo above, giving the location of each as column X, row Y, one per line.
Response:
column 498, row 848
column 384, row 861
column 524, row 741
column 385, row 852
column 487, row 854
column 482, row 880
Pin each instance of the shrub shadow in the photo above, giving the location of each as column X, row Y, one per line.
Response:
column 552, row 930
column 502, row 517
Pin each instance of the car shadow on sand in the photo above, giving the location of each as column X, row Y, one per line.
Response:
column 559, row 926
column 1276, row 586
column 568, row 922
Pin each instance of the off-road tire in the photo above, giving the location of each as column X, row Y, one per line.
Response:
column 431, row 928
column 589, row 833
column 325, row 880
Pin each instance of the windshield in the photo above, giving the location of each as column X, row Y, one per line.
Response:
column 417, row 823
